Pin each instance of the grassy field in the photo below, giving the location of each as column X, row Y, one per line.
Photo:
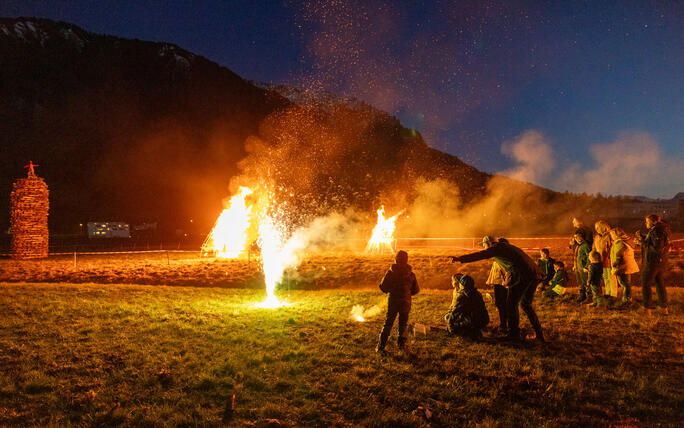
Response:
column 93, row 354
column 317, row 271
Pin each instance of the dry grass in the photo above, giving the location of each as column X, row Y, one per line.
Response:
column 93, row 354
column 317, row 271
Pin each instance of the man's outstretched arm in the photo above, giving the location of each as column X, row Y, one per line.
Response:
column 478, row 255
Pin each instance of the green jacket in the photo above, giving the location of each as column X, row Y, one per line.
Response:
column 559, row 278
column 546, row 267
column 582, row 261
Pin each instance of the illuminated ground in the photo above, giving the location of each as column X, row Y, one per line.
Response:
column 96, row 354
column 317, row 271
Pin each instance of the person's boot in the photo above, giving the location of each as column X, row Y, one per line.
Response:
column 402, row 343
column 582, row 297
column 539, row 335
column 382, row 342
column 503, row 325
column 511, row 336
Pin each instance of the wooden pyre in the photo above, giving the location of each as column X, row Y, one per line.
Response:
column 29, row 212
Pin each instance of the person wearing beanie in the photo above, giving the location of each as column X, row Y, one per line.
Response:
column 400, row 284
column 582, row 266
column 468, row 314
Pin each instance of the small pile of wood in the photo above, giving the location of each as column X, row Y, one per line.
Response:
column 29, row 213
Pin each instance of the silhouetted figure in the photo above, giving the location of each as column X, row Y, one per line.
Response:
column 401, row 284
column 655, row 247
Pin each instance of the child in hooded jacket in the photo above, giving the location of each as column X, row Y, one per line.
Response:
column 401, row 284
column 468, row 314
column 595, row 273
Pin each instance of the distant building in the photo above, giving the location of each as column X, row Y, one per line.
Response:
column 108, row 230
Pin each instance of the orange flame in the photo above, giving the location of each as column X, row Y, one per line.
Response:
column 382, row 239
column 228, row 238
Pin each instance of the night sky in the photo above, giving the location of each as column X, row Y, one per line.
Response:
column 585, row 96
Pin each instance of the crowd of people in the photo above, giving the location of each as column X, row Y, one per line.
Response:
column 603, row 261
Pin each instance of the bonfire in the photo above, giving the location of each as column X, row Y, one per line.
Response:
column 228, row 239
column 382, row 240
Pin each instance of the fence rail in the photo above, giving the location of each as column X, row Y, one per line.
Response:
column 455, row 243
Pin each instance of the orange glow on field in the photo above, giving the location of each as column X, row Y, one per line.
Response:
column 228, row 238
column 382, row 239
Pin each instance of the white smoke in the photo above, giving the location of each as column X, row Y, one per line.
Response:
column 532, row 154
column 632, row 164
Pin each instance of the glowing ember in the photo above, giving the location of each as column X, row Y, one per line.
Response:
column 276, row 255
column 361, row 315
column 357, row 313
column 228, row 238
column 382, row 239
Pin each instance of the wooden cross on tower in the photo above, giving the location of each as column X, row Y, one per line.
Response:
column 30, row 167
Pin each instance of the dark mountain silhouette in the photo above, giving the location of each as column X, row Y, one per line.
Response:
column 120, row 128
column 140, row 131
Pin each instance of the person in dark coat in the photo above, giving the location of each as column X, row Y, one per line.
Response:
column 587, row 236
column 655, row 247
column 582, row 266
column 523, row 276
column 468, row 314
column 595, row 273
column 545, row 263
column 401, row 284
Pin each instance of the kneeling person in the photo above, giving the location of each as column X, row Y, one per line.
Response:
column 468, row 314
column 559, row 281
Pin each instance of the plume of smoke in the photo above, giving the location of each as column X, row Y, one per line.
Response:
column 631, row 164
column 508, row 207
column 358, row 313
column 336, row 231
column 533, row 156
